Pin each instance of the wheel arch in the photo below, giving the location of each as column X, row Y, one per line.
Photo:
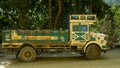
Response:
column 92, row 42
column 25, row 45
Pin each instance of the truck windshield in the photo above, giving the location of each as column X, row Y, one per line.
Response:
column 75, row 28
column 90, row 17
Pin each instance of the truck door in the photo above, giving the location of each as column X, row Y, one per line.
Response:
column 79, row 32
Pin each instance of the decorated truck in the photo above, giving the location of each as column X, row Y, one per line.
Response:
column 79, row 37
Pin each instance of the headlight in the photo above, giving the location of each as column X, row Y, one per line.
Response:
column 102, row 37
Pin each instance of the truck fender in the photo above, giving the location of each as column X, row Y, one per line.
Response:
column 27, row 44
column 92, row 42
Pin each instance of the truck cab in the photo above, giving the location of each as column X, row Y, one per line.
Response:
column 79, row 37
column 82, row 36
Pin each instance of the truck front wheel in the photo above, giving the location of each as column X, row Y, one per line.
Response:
column 27, row 54
column 92, row 51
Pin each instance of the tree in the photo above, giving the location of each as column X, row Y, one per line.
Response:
column 49, row 11
column 46, row 14
column 111, row 24
column 116, row 10
column 58, row 14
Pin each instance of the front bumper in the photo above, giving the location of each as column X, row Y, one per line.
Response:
column 105, row 48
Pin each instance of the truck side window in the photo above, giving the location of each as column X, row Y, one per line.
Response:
column 90, row 17
column 83, row 18
column 75, row 28
column 84, row 28
column 74, row 17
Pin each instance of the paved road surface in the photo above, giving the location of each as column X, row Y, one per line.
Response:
column 110, row 59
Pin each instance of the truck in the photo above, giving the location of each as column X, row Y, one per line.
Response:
column 79, row 37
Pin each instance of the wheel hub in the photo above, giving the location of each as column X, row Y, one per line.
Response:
column 94, row 52
column 27, row 54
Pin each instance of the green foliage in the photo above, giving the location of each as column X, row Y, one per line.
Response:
column 111, row 24
column 116, row 17
column 34, row 14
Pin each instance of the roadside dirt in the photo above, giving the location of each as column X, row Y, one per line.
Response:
column 111, row 59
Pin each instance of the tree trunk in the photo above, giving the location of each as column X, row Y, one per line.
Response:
column 49, row 11
column 90, row 6
column 58, row 14
column 104, row 27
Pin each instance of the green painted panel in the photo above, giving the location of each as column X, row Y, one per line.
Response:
column 35, row 36
column 6, row 36
column 92, row 38
column 80, row 39
column 80, row 34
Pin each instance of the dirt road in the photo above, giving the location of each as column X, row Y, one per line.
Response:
column 111, row 59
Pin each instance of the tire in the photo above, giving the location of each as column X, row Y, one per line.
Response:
column 27, row 54
column 92, row 52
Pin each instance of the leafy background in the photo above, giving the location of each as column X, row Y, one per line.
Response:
column 54, row 14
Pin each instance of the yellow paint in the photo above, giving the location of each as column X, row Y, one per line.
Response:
column 14, row 35
column 78, row 42
column 7, row 36
column 11, row 45
column 41, row 37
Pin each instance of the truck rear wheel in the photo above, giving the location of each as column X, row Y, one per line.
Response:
column 27, row 54
column 92, row 52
